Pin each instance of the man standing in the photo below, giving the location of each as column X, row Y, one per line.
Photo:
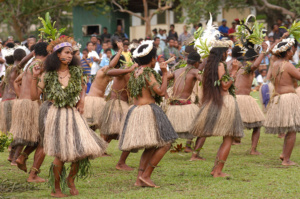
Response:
column 185, row 35
column 94, row 40
column 232, row 30
column 172, row 32
column 224, row 29
column 94, row 56
column 171, row 51
column 105, row 35
column 162, row 38
column 157, row 46
column 119, row 33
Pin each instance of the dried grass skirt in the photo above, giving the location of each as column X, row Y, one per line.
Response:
column 181, row 118
column 111, row 116
column 66, row 134
column 283, row 114
column 145, row 126
column 252, row 115
column 214, row 121
column 5, row 116
column 24, row 125
column 93, row 107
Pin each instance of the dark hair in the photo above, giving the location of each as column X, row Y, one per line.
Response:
column 9, row 59
column 120, row 61
column 32, row 36
column 211, row 75
column 250, row 55
column 148, row 58
column 32, row 47
column 89, row 42
column 16, row 41
column 172, row 25
column 52, row 62
column 282, row 54
column 236, row 52
column 19, row 54
column 296, row 43
column 123, row 40
column 140, row 39
column 171, row 38
column 189, row 49
column 155, row 38
column 135, row 41
column 40, row 49
column 193, row 57
column 10, row 45
column 85, row 50
column 106, row 50
column 199, row 24
column 126, row 43
column 114, row 41
column 105, row 28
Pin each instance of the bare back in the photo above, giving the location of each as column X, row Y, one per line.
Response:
column 9, row 90
column 100, row 83
column 283, row 76
column 184, row 82
column 243, row 82
column 119, row 87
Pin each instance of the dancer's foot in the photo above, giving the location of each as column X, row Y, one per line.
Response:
column 196, row 158
column 139, row 183
column 123, row 167
column 21, row 163
column 13, row 163
column 71, row 185
column 148, row 182
column 254, row 152
column 188, row 150
column 9, row 159
column 58, row 194
column 288, row 163
column 281, row 157
column 35, row 179
column 222, row 175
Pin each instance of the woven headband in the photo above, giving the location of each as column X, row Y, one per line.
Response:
column 62, row 45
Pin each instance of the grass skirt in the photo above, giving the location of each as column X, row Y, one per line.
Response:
column 145, row 126
column 252, row 115
column 66, row 134
column 283, row 114
column 24, row 125
column 111, row 116
column 298, row 91
column 214, row 121
column 93, row 107
column 181, row 118
column 5, row 116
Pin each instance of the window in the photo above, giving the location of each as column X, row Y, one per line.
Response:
column 177, row 16
column 88, row 30
column 161, row 18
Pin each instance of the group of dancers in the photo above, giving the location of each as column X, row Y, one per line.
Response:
column 46, row 109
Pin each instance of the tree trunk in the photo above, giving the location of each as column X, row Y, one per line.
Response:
column 17, row 29
column 148, row 27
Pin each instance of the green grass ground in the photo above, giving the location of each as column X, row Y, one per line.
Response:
column 251, row 176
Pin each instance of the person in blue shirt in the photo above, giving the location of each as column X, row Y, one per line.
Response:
column 105, row 60
column 224, row 29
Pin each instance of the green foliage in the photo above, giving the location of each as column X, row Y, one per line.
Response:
column 135, row 85
column 63, row 178
column 5, row 141
column 257, row 37
column 48, row 29
column 181, row 64
column 67, row 96
column 294, row 30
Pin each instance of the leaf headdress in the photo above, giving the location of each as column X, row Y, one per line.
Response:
column 48, row 29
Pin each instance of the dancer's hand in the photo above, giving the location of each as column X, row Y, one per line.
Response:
column 80, row 107
column 36, row 71
column 163, row 67
column 135, row 65
column 120, row 45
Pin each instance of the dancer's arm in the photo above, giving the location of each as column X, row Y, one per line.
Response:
column 37, row 84
column 17, row 84
column 257, row 62
column 80, row 104
column 118, row 72
column 157, row 88
column 24, row 61
column 221, row 71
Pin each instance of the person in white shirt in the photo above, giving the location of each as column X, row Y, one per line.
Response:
column 94, row 57
column 163, row 39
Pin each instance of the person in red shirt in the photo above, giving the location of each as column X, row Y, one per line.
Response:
column 232, row 29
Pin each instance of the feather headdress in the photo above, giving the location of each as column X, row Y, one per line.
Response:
column 250, row 34
column 205, row 37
